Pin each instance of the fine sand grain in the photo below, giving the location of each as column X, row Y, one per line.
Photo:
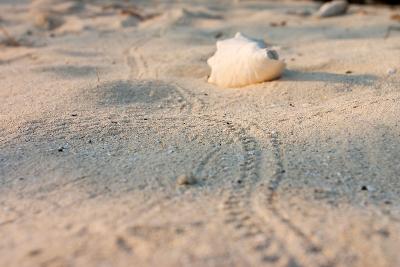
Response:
column 105, row 107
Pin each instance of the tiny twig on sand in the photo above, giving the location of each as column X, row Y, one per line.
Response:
column 390, row 29
column 10, row 40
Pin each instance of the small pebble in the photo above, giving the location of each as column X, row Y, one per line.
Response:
column 185, row 179
column 47, row 21
column 333, row 8
column 218, row 35
column 384, row 232
column 278, row 24
column 391, row 71
column 123, row 244
column 128, row 22
column 34, row 252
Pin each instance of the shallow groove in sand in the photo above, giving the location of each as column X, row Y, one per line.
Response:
column 315, row 253
column 138, row 66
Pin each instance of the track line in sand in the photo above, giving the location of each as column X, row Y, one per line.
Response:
column 139, row 69
column 239, row 199
column 316, row 255
column 138, row 65
column 256, row 230
column 238, row 211
column 198, row 103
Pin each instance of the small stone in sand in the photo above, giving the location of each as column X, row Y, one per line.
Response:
column 391, row 71
column 218, row 35
column 128, row 22
column 278, row 24
column 123, row 245
column 333, row 8
column 384, row 232
column 47, row 21
column 186, row 179
column 34, row 252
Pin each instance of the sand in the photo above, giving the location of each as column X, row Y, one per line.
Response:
column 102, row 112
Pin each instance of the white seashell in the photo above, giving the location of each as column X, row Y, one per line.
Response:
column 241, row 61
column 334, row 8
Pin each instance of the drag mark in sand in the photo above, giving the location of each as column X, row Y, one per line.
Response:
column 198, row 103
column 315, row 253
column 257, row 231
column 211, row 153
column 237, row 207
column 138, row 66
column 198, row 171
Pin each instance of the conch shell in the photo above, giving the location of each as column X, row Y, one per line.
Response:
column 241, row 61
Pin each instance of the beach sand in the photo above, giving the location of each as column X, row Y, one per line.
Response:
column 105, row 108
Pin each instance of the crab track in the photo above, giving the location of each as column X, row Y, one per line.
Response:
column 251, row 227
column 257, row 229
column 237, row 209
column 198, row 105
column 139, row 69
column 137, row 64
column 315, row 253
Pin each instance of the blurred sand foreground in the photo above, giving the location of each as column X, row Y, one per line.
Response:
column 104, row 106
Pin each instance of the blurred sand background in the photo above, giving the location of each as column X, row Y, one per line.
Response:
column 105, row 105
